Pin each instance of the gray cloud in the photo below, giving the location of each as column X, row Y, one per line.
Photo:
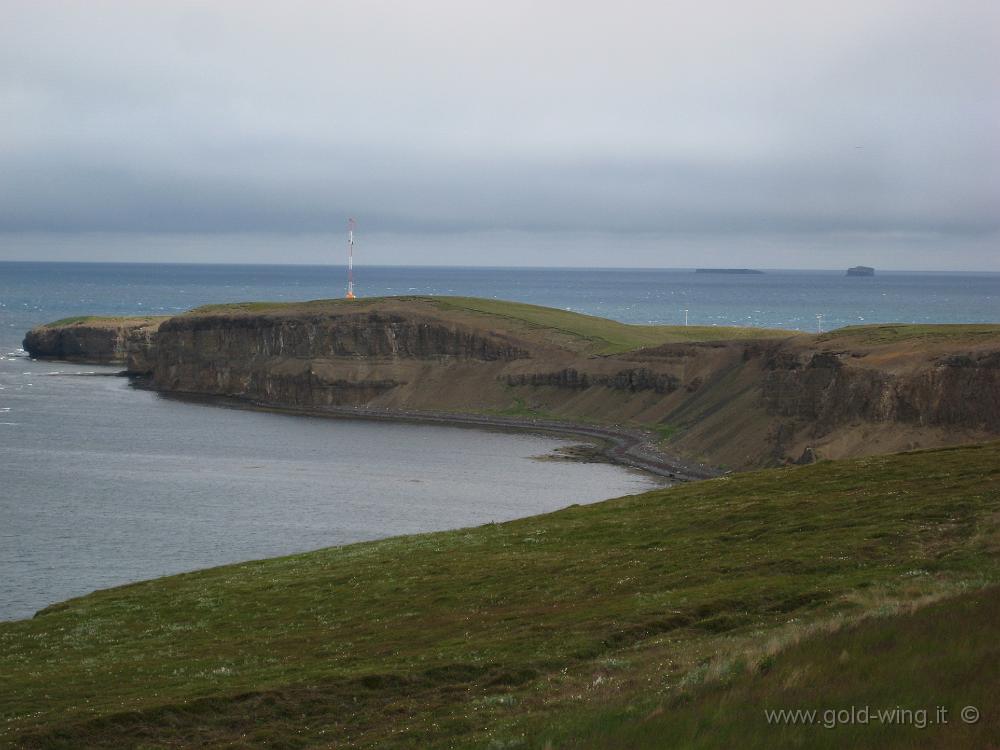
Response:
column 804, row 123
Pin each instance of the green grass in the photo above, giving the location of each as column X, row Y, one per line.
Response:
column 894, row 333
column 104, row 320
column 851, row 677
column 307, row 306
column 271, row 307
column 494, row 634
column 521, row 408
column 606, row 336
column 600, row 335
column 666, row 432
column 518, row 408
column 70, row 321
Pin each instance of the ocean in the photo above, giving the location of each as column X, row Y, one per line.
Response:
column 102, row 484
column 31, row 293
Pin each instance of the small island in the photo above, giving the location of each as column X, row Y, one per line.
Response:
column 727, row 270
column 861, row 271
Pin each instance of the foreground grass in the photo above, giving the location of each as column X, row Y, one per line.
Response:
column 897, row 681
column 495, row 633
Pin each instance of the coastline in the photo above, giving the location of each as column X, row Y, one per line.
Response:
column 658, row 395
column 631, row 448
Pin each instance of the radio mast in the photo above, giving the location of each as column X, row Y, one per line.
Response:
column 350, row 258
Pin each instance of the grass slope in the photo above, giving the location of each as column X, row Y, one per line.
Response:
column 607, row 336
column 488, row 635
column 850, row 681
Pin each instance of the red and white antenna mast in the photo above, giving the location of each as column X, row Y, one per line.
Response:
column 350, row 258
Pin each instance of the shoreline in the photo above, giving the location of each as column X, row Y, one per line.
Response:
column 629, row 447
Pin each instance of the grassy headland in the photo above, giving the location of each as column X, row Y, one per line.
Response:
column 598, row 336
column 564, row 627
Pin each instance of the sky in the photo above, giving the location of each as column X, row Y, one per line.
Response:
column 771, row 134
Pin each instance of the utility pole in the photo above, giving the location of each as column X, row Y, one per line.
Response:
column 350, row 258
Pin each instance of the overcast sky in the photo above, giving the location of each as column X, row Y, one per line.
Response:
column 772, row 134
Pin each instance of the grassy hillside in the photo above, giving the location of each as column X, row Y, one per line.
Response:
column 595, row 335
column 875, row 684
column 498, row 635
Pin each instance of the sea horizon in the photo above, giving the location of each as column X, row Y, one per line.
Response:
column 359, row 268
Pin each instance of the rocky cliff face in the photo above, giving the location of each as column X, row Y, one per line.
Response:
column 829, row 389
column 96, row 340
column 314, row 360
column 347, row 335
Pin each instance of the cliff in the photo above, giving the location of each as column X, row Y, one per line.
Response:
column 345, row 356
column 95, row 340
column 740, row 398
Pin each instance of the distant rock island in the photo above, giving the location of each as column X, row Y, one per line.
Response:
column 861, row 271
column 726, row 270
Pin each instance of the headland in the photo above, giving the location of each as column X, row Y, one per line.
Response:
column 683, row 400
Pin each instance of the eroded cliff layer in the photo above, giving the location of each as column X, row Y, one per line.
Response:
column 735, row 397
column 96, row 340
column 342, row 357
